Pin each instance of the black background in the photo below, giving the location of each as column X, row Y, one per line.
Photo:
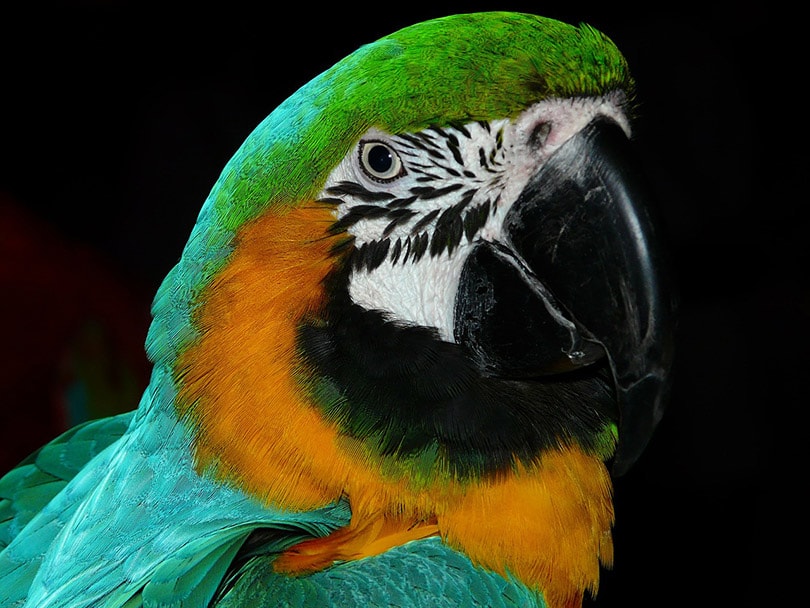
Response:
column 117, row 120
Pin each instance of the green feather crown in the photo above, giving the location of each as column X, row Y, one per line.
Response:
column 455, row 69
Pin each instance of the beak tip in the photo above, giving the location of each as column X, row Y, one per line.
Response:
column 642, row 406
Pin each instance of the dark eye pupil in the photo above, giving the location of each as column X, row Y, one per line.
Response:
column 380, row 159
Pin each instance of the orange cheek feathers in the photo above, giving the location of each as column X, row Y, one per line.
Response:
column 237, row 380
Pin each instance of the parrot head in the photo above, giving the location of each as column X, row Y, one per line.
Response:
column 429, row 268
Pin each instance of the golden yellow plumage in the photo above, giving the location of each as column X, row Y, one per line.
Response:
column 284, row 451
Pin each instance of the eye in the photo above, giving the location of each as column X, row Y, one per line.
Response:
column 379, row 161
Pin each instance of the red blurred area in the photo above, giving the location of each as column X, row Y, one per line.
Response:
column 72, row 337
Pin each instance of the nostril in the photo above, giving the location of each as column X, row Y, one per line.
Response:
column 539, row 135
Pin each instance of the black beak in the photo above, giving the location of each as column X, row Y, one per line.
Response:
column 578, row 277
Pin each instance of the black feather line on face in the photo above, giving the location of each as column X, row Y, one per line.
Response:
column 427, row 193
column 462, row 128
column 448, row 231
column 397, row 249
column 402, row 202
column 399, row 217
column 404, row 391
column 452, row 143
column 425, row 220
column 475, row 219
column 359, row 192
column 370, row 255
column 419, row 245
column 455, row 149
column 428, row 177
column 423, row 144
column 357, row 213
column 483, row 160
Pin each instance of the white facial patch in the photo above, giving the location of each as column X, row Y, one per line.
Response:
column 421, row 293
column 417, row 203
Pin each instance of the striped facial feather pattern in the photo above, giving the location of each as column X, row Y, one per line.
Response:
column 436, row 196
column 416, row 203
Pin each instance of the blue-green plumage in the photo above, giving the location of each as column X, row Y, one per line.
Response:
column 200, row 572
column 421, row 573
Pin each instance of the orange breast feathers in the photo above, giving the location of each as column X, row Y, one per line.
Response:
column 254, row 427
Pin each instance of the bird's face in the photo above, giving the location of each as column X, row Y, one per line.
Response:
column 417, row 204
column 526, row 242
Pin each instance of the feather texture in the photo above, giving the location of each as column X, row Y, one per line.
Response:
column 428, row 575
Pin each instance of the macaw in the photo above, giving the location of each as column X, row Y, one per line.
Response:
column 421, row 314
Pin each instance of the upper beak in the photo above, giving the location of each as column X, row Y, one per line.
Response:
column 578, row 276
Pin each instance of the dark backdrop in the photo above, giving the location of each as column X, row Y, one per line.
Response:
column 117, row 120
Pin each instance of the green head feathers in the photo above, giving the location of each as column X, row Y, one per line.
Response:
column 455, row 69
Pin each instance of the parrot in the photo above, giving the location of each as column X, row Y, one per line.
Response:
column 422, row 321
